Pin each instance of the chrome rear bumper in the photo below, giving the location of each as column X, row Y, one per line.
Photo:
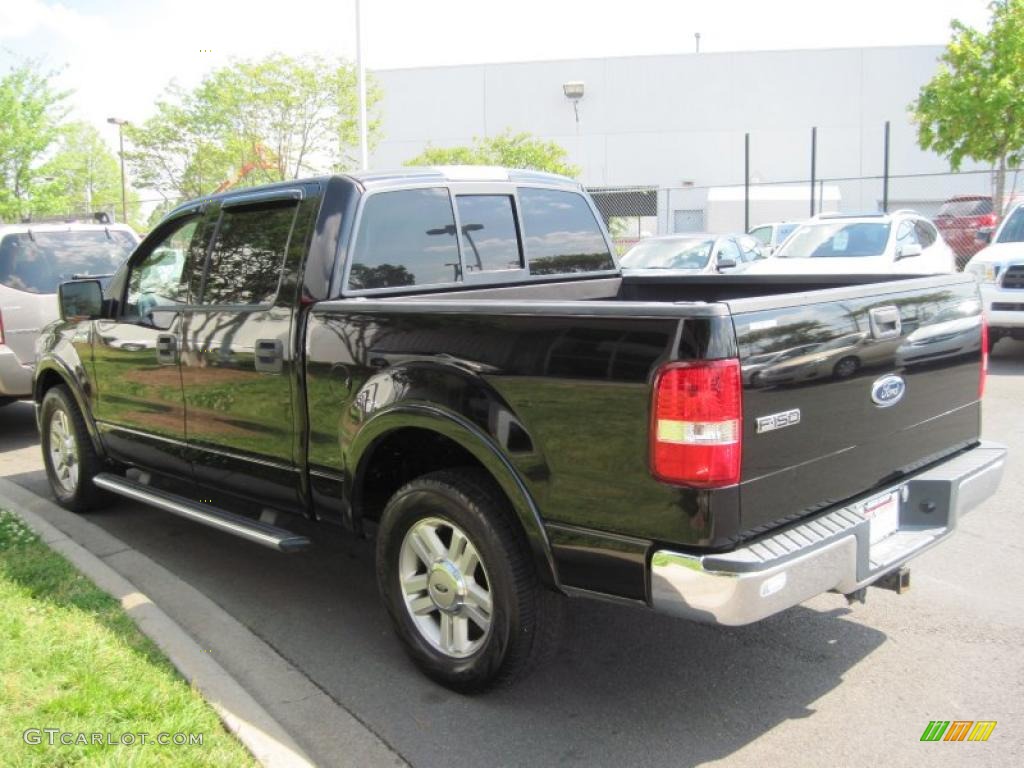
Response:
column 831, row 551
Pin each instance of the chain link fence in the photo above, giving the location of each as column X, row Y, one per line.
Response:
column 801, row 181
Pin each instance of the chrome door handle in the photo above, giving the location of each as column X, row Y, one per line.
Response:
column 167, row 348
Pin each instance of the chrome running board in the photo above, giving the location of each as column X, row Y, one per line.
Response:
column 237, row 525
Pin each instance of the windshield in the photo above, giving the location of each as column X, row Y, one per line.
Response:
column 1013, row 229
column 957, row 208
column 836, row 238
column 784, row 230
column 676, row 253
column 37, row 262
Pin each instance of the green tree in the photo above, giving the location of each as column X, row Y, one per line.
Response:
column 974, row 106
column 31, row 110
column 251, row 122
column 511, row 150
column 83, row 175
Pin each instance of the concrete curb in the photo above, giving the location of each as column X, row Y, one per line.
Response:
column 262, row 734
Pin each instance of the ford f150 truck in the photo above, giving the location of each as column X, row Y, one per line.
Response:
column 451, row 360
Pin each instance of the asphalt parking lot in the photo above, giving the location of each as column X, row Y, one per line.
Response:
column 821, row 684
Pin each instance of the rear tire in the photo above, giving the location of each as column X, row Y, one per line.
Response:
column 457, row 577
column 70, row 459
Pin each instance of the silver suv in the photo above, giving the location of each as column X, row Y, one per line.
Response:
column 34, row 259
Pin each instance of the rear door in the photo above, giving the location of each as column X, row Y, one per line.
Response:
column 852, row 432
column 238, row 365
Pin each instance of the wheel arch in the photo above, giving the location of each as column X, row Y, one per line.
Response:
column 50, row 374
column 465, row 443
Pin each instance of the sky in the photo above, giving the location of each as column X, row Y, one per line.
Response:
column 117, row 57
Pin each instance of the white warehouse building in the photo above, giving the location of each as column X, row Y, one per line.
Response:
column 675, row 124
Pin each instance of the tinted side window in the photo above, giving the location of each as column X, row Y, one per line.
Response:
column 561, row 233
column 926, row 233
column 405, row 238
column 489, row 237
column 160, row 279
column 247, row 256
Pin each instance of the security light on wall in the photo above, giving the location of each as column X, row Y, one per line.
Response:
column 574, row 92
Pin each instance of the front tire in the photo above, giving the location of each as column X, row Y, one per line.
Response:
column 70, row 459
column 456, row 575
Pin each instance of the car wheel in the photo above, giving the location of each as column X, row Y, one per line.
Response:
column 456, row 575
column 70, row 459
column 846, row 367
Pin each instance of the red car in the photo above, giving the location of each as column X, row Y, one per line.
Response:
column 959, row 220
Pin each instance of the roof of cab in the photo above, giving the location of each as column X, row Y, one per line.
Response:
column 402, row 177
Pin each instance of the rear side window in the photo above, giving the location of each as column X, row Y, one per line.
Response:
column 38, row 262
column 561, row 233
column 405, row 238
column 926, row 234
column 247, row 256
column 489, row 237
column 969, row 207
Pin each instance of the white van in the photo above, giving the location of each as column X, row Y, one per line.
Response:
column 34, row 259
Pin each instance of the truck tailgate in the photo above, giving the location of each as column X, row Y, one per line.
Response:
column 853, row 390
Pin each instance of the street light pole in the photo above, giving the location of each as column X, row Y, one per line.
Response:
column 120, row 123
column 364, row 161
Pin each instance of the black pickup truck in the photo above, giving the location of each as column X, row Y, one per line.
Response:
column 451, row 360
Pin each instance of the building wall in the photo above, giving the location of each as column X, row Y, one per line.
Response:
column 668, row 120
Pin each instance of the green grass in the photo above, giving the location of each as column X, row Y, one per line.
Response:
column 71, row 659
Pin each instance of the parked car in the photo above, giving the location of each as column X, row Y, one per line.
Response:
column 961, row 218
column 999, row 268
column 949, row 333
column 34, row 259
column 840, row 358
column 451, row 360
column 903, row 242
column 693, row 253
column 771, row 236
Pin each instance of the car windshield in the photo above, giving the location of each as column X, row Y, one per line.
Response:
column 957, row 208
column 784, row 231
column 37, row 262
column 836, row 238
column 674, row 253
column 1013, row 229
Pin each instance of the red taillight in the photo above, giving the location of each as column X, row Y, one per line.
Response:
column 984, row 357
column 988, row 220
column 696, row 424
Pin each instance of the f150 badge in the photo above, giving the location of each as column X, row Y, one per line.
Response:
column 888, row 390
column 775, row 421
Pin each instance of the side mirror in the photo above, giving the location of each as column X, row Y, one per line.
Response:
column 908, row 251
column 725, row 263
column 80, row 300
column 984, row 235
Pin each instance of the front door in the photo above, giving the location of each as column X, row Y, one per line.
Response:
column 139, row 407
column 237, row 364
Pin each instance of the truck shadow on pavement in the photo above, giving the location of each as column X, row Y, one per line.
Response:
column 626, row 686
column 1007, row 359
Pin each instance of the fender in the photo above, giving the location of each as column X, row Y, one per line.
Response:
column 476, row 442
column 60, row 368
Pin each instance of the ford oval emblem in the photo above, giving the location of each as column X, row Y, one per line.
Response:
column 888, row 390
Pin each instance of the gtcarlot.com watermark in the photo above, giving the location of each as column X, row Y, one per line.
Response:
column 55, row 736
